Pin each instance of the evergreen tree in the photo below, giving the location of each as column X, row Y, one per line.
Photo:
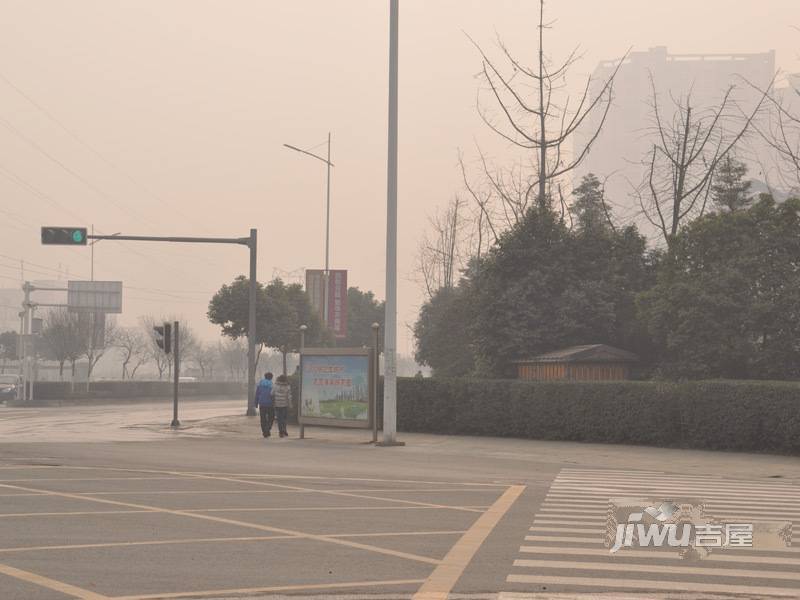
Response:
column 588, row 210
column 730, row 190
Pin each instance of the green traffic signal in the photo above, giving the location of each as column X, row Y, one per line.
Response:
column 64, row 236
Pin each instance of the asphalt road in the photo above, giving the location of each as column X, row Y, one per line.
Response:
column 107, row 502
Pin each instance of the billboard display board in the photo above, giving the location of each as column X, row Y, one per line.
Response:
column 94, row 296
column 336, row 387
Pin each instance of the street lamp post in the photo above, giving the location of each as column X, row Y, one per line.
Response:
column 329, row 164
column 390, row 325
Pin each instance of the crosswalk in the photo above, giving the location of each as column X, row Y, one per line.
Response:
column 564, row 548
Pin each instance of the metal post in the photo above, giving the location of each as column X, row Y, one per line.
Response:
column 21, row 357
column 251, row 326
column 26, row 304
column 92, row 278
column 303, row 329
column 176, row 361
column 390, row 334
column 376, row 328
column 326, row 278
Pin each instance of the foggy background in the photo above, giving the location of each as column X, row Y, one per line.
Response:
column 183, row 106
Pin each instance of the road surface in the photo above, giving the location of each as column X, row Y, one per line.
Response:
column 107, row 502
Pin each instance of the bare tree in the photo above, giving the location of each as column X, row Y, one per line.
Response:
column 100, row 334
column 134, row 350
column 63, row 339
column 782, row 132
column 233, row 353
column 686, row 151
column 206, row 357
column 537, row 114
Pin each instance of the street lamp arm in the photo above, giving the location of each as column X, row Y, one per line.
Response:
column 296, row 149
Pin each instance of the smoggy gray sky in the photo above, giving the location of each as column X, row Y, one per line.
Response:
column 183, row 107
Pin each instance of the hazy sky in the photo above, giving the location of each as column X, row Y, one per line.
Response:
column 188, row 103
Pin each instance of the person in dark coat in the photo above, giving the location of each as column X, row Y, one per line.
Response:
column 265, row 405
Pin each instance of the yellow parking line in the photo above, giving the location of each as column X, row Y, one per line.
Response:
column 330, row 492
column 145, row 543
column 74, row 513
column 282, row 588
column 35, row 479
column 89, row 513
column 206, row 517
column 283, row 491
column 218, row 540
column 275, row 476
column 445, row 576
column 51, row 584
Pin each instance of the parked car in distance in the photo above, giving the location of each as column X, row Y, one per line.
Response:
column 8, row 387
column 187, row 379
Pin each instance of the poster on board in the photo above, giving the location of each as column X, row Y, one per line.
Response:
column 336, row 387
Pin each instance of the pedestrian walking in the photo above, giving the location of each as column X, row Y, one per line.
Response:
column 266, row 408
column 282, row 398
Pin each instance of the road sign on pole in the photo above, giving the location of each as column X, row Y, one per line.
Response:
column 94, row 296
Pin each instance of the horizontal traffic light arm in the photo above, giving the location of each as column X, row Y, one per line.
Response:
column 245, row 241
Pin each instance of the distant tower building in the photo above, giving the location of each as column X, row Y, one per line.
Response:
column 627, row 134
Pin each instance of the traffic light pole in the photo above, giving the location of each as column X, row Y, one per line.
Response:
column 251, row 242
column 176, row 370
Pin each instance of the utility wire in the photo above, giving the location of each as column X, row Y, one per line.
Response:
column 91, row 149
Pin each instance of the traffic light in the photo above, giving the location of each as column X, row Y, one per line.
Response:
column 164, row 337
column 64, row 236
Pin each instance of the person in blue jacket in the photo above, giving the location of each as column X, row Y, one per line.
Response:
column 266, row 408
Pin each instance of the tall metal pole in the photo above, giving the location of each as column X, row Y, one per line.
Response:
column 176, row 372
column 326, row 278
column 92, row 276
column 251, row 326
column 390, row 332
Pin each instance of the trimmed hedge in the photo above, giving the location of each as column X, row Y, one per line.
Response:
column 45, row 391
column 752, row 416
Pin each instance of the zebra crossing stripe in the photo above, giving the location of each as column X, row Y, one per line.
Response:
column 660, row 585
column 559, row 538
column 539, row 529
column 628, row 553
column 650, row 568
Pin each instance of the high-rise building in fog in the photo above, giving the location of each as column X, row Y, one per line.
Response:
column 626, row 136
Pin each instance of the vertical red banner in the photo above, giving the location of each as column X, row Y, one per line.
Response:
column 337, row 302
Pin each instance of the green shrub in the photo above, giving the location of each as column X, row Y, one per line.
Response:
column 757, row 416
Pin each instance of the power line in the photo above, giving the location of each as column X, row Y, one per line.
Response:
column 91, row 149
column 36, row 192
column 74, row 173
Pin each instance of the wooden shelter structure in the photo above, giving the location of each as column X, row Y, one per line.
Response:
column 594, row 362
